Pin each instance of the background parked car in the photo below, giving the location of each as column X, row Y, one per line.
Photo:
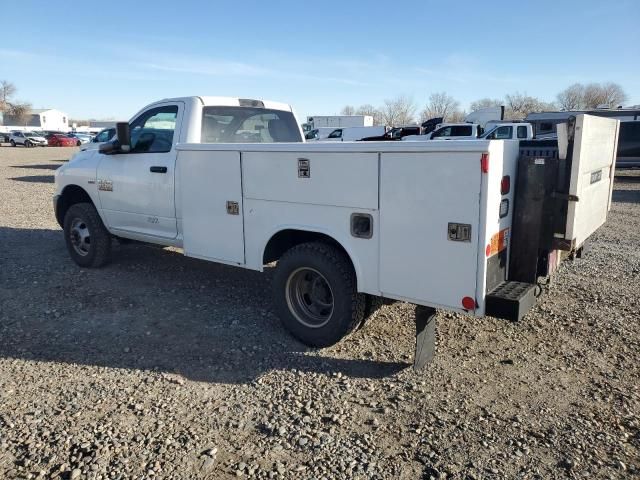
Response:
column 62, row 140
column 81, row 138
column 27, row 139
column 104, row 136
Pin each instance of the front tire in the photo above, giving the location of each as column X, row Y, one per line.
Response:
column 315, row 294
column 13, row 143
column 27, row 144
column 87, row 239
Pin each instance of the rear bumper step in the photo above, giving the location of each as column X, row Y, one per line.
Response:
column 510, row 300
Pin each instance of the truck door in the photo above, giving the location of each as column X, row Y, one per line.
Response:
column 137, row 188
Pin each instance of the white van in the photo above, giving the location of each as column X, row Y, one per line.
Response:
column 353, row 134
column 318, row 133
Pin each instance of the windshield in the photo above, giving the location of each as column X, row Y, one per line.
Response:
column 248, row 125
column 32, row 134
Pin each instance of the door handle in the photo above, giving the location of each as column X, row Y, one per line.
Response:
column 158, row 169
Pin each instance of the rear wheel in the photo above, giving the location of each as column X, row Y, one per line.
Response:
column 314, row 289
column 87, row 239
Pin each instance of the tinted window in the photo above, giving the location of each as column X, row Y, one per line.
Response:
column 522, row 131
column 461, row 131
column 153, row 130
column 336, row 134
column 442, row 132
column 545, row 127
column 248, row 125
column 629, row 139
column 503, row 133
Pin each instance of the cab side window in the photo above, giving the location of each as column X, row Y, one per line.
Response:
column 503, row 133
column 152, row 132
column 461, row 131
column 442, row 132
column 336, row 134
column 522, row 131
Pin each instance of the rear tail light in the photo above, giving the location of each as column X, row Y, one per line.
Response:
column 505, row 185
column 484, row 163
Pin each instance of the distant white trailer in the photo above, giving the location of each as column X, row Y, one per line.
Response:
column 337, row 121
column 353, row 134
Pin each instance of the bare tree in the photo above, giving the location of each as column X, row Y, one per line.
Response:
column 607, row 94
column 368, row 109
column 519, row 105
column 20, row 112
column 614, row 95
column 348, row 110
column 440, row 105
column 7, row 90
column 398, row 111
column 485, row 103
column 572, row 97
column 457, row 116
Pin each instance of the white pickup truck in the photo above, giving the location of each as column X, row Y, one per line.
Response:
column 349, row 223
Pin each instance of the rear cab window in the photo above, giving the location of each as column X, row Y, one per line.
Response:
column 248, row 125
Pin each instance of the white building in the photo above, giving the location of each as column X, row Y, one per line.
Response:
column 38, row 119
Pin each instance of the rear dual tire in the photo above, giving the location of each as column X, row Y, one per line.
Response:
column 315, row 294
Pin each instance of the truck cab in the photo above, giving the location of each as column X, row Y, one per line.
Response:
column 136, row 190
column 508, row 131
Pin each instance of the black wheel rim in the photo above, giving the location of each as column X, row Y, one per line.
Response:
column 309, row 297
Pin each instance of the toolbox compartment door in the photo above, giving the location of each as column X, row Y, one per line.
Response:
column 420, row 195
column 592, row 174
column 212, row 209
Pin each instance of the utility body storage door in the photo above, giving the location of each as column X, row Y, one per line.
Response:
column 212, row 209
column 420, row 194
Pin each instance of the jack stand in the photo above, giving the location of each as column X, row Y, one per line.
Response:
column 425, row 336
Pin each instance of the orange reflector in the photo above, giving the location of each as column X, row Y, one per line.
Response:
column 488, row 250
column 468, row 303
column 484, row 163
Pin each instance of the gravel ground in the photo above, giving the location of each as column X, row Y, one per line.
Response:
column 160, row 366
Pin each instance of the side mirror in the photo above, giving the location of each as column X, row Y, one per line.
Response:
column 122, row 142
column 123, row 134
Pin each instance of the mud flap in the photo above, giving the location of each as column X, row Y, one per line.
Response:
column 425, row 336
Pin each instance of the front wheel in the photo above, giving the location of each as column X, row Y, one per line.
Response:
column 78, row 143
column 315, row 294
column 87, row 239
column 27, row 143
column 13, row 143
